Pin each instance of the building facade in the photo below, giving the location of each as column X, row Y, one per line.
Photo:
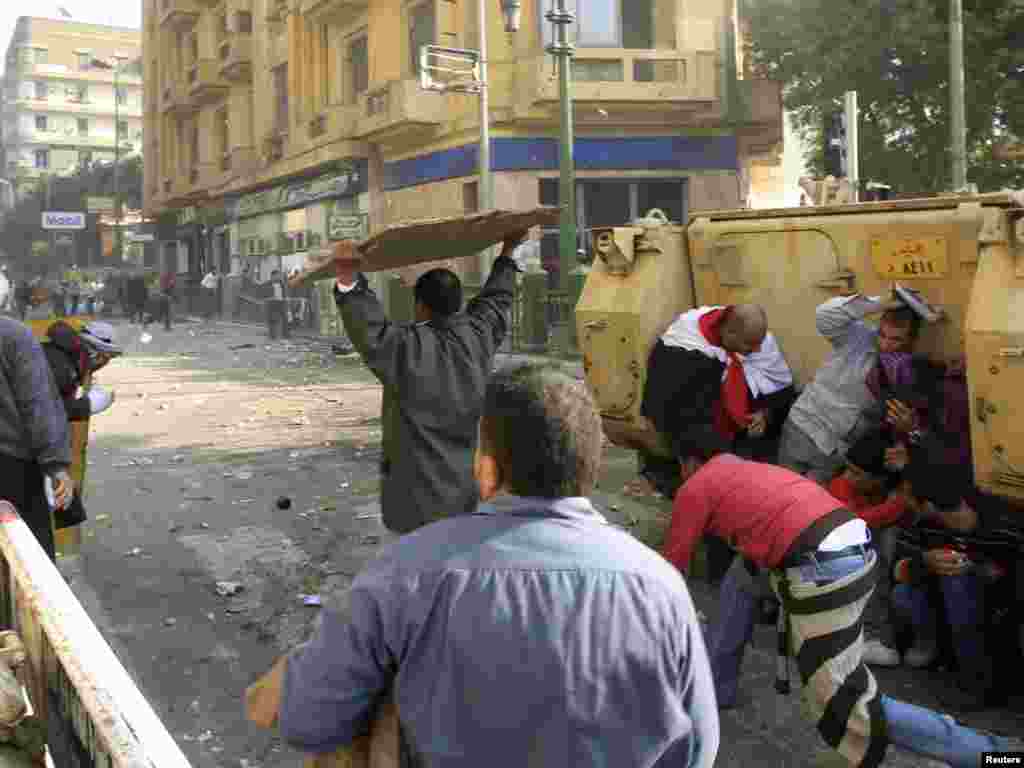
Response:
column 274, row 125
column 63, row 103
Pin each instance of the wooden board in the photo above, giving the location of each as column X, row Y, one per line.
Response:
column 416, row 242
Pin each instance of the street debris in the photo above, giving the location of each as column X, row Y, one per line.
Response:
column 229, row 588
column 146, row 338
column 368, row 516
column 244, row 501
column 170, row 622
column 134, row 552
column 204, row 526
column 177, row 459
column 242, row 346
column 311, row 600
column 173, row 527
column 244, row 475
column 199, row 498
column 371, row 539
column 284, row 503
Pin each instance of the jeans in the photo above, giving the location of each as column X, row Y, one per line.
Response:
column 963, row 599
column 915, row 729
column 799, row 453
column 732, row 631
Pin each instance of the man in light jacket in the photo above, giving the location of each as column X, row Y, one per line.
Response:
column 531, row 633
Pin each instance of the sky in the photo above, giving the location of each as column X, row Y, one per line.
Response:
column 121, row 13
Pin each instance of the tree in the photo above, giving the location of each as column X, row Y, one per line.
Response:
column 895, row 54
column 23, row 225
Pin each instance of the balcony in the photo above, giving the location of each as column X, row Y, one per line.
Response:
column 397, row 110
column 174, row 99
column 236, row 59
column 339, row 12
column 204, row 83
column 179, row 14
column 683, row 84
column 277, row 10
column 333, row 124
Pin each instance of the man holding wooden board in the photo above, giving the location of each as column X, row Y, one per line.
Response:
column 434, row 373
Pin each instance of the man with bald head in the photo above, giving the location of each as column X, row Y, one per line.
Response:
column 717, row 366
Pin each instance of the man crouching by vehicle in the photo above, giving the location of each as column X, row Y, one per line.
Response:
column 824, row 570
column 529, row 633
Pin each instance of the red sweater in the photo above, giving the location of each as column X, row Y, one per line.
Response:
column 760, row 509
column 881, row 515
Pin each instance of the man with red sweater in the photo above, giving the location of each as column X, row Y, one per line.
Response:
column 824, row 570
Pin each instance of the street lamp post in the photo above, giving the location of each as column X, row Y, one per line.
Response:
column 563, row 50
column 118, row 246
column 958, row 121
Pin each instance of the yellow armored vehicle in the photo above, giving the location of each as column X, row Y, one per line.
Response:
column 964, row 254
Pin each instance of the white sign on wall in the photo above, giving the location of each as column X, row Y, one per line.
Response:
column 63, row 220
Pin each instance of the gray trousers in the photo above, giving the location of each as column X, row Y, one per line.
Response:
column 799, row 453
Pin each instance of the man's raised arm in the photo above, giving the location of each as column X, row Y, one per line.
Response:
column 837, row 317
column 494, row 303
column 375, row 337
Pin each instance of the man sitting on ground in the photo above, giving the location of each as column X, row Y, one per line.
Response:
column 530, row 633
column 794, row 527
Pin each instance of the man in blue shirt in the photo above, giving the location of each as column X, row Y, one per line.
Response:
column 531, row 632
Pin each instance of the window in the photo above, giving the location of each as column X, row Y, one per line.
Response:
column 223, row 144
column 84, row 158
column 42, row 158
column 41, row 55
column 609, row 203
column 84, row 61
column 421, row 31
column 79, row 93
column 617, row 23
column 83, row 127
column 42, row 92
column 243, row 22
column 281, row 108
column 41, row 123
column 121, row 94
column 358, row 67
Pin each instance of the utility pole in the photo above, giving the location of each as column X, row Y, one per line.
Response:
column 563, row 50
column 486, row 178
column 852, row 144
column 958, row 118
column 117, row 162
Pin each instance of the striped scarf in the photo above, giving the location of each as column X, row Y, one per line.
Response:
column 824, row 625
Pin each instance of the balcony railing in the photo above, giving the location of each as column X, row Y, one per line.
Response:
column 204, row 83
column 180, row 14
column 669, row 78
column 236, row 58
column 339, row 12
column 398, row 108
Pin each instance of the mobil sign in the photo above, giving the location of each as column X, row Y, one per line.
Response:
column 63, row 220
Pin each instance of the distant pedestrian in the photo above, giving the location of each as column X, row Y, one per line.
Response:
column 168, row 282
column 34, row 437
column 209, row 285
column 277, row 320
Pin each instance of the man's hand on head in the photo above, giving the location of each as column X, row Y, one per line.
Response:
column 758, row 424
column 513, row 241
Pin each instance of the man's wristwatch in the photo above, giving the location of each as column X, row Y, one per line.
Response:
column 915, row 436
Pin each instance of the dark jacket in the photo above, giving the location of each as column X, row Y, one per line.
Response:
column 434, row 376
column 68, row 364
column 33, row 425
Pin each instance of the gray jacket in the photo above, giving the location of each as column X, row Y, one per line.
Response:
column 33, row 424
column 837, row 406
column 529, row 634
column 434, row 375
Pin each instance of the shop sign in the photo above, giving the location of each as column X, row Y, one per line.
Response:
column 349, row 182
column 346, row 226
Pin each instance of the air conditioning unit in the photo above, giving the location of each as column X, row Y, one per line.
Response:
column 284, row 244
column 300, row 241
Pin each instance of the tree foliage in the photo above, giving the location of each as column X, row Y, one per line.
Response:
column 23, row 225
column 895, row 54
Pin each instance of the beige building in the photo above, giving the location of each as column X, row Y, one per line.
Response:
column 273, row 124
column 62, row 102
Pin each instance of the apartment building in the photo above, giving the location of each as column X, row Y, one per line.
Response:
column 273, row 125
column 63, row 103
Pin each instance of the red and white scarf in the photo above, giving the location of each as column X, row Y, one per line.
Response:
column 746, row 377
